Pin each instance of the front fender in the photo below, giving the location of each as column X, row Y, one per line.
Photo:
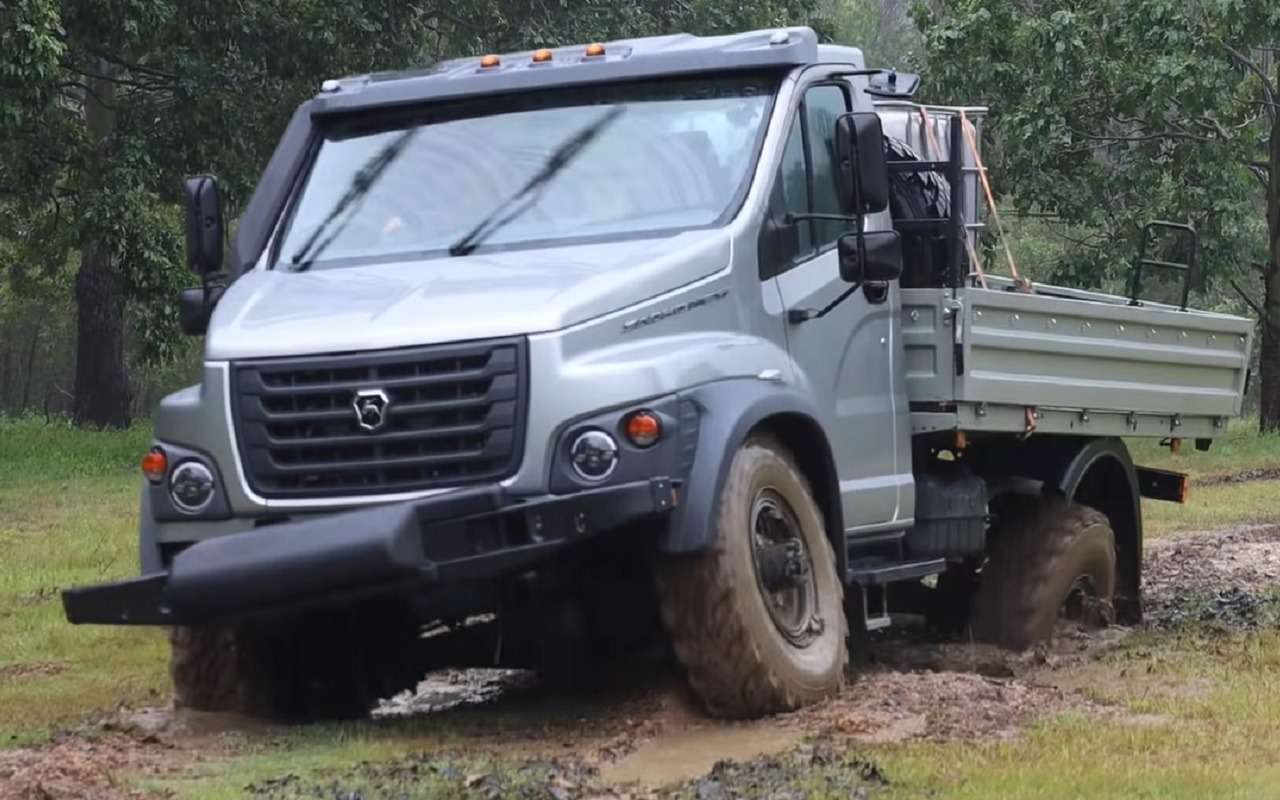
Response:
column 728, row 412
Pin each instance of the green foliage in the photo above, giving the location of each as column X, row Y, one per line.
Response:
column 30, row 47
column 106, row 104
column 1109, row 113
column 882, row 28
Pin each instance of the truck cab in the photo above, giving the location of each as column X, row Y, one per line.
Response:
column 524, row 349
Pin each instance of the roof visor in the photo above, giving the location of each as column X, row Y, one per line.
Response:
column 658, row 56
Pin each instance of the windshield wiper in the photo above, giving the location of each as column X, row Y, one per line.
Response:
column 363, row 181
column 524, row 199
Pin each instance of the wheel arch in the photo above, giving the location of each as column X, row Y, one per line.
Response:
column 731, row 412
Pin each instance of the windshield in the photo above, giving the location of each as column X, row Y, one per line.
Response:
column 583, row 164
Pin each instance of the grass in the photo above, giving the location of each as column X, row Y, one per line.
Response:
column 1241, row 448
column 1221, row 739
column 1216, row 505
column 68, row 515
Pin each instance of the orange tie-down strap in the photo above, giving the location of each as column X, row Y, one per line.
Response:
column 1022, row 284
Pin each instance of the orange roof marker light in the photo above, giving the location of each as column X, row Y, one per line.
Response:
column 595, row 50
column 490, row 61
column 542, row 56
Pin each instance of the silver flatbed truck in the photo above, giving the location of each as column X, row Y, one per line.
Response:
column 515, row 357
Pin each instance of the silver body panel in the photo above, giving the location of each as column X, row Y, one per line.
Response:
column 1088, row 363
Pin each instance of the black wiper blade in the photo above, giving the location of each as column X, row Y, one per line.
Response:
column 364, row 179
column 524, row 199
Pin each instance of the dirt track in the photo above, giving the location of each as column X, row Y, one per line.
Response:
column 646, row 732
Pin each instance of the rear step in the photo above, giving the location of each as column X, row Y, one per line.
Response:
column 873, row 576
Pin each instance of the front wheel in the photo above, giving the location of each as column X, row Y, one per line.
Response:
column 313, row 666
column 758, row 620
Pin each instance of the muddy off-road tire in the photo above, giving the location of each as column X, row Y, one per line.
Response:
column 1049, row 560
column 303, row 668
column 202, row 665
column 749, row 650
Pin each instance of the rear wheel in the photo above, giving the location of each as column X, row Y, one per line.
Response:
column 1049, row 561
column 757, row 621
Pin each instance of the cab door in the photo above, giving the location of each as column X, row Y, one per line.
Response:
column 845, row 358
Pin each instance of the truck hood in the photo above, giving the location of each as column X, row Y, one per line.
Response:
column 277, row 313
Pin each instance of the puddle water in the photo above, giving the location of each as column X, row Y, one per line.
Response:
column 682, row 755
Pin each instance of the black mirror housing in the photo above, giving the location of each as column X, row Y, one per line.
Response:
column 893, row 84
column 195, row 307
column 779, row 241
column 204, row 225
column 862, row 171
column 870, row 257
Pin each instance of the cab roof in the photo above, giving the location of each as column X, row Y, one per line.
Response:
column 627, row 59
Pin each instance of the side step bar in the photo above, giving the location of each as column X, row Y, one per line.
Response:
column 880, row 571
column 872, row 576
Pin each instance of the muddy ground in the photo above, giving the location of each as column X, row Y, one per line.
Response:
column 643, row 735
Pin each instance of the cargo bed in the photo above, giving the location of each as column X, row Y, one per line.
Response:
column 1060, row 360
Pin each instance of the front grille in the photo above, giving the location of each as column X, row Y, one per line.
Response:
column 454, row 415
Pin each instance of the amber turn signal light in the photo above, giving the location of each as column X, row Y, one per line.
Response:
column 155, row 464
column 643, row 428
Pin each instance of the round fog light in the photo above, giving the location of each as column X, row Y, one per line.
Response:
column 594, row 455
column 191, row 487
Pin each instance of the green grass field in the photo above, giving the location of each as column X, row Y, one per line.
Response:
column 68, row 512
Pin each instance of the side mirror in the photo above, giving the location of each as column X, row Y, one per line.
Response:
column 863, row 174
column 204, row 225
column 870, row 257
column 195, row 307
column 892, row 84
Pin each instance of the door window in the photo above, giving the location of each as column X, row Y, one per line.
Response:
column 807, row 174
column 823, row 105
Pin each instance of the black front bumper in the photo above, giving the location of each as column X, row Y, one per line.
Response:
column 462, row 535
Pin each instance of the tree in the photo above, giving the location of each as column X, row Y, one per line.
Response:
column 1109, row 113
column 108, row 103
column 882, row 28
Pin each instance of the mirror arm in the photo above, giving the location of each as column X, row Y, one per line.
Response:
column 791, row 219
column 798, row 315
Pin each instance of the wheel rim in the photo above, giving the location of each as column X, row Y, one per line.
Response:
column 1081, row 603
column 784, row 569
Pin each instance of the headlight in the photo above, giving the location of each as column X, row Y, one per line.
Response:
column 594, row 455
column 191, row 487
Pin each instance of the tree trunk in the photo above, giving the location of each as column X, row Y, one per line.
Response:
column 102, row 385
column 1269, row 409
column 31, row 366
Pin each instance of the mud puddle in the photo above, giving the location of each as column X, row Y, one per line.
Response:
column 679, row 756
column 1228, row 579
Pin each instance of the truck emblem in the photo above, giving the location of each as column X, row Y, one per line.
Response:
column 658, row 316
column 371, row 408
